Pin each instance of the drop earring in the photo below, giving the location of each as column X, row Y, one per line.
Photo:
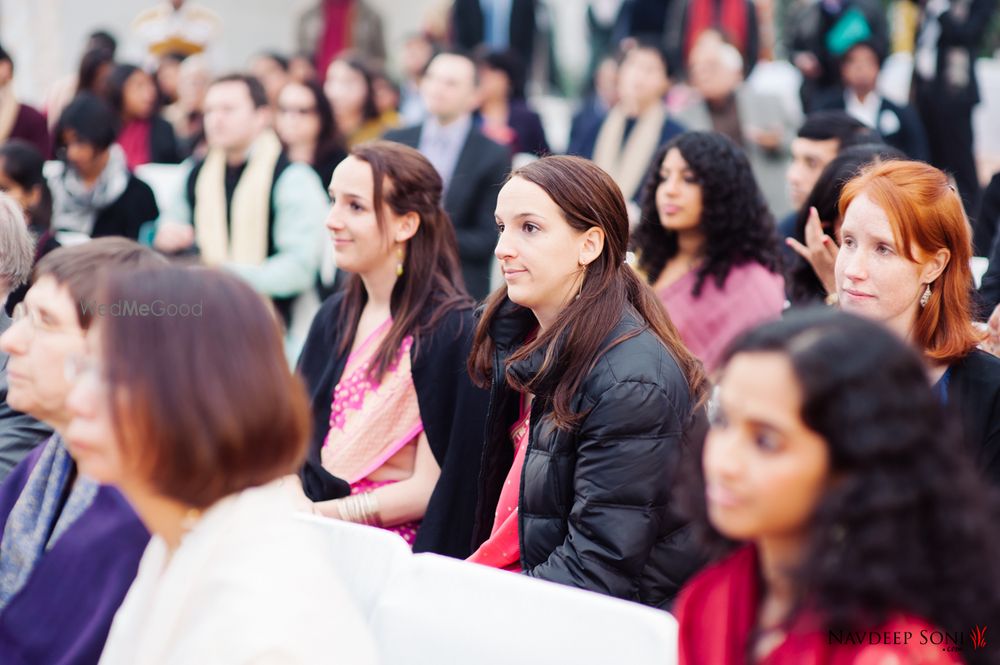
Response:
column 925, row 296
column 583, row 267
column 399, row 262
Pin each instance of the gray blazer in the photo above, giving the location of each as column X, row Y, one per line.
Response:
column 19, row 432
column 760, row 111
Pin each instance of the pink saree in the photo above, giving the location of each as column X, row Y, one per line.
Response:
column 372, row 421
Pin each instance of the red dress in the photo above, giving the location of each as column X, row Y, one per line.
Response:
column 717, row 611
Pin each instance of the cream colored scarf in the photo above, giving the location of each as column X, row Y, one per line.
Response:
column 9, row 107
column 628, row 164
column 246, row 240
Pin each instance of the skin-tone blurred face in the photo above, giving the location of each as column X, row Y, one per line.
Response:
column 416, row 54
column 765, row 470
column 302, row 69
column 231, row 121
column 386, row 97
column 449, row 87
column 543, row 258
column 606, row 81
column 874, row 279
column 25, row 198
column 270, row 74
column 192, row 85
column 642, row 80
column 345, row 87
column 493, row 84
column 358, row 243
column 859, row 70
column 6, row 73
column 679, row 196
column 139, row 95
column 711, row 75
column 809, row 158
column 297, row 121
column 167, row 77
column 82, row 156
column 45, row 333
column 91, row 436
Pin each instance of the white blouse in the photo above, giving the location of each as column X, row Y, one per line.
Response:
column 249, row 584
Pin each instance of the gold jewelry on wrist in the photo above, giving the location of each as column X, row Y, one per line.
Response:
column 360, row 509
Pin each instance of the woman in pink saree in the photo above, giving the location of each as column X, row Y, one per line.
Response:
column 398, row 427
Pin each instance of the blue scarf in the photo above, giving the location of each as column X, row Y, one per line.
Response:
column 36, row 522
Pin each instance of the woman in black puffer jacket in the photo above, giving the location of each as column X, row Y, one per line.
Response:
column 591, row 393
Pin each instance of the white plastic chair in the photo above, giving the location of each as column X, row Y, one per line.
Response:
column 365, row 557
column 441, row 611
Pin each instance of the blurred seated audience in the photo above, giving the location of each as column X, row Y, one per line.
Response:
column 350, row 87
column 18, row 120
column 93, row 192
column 145, row 136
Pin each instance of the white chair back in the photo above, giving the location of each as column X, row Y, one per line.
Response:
column 441, row 611
column 365, row 558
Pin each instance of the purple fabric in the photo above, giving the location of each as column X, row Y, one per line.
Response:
column 30, row 126
column 63, row 613
column 709, row 322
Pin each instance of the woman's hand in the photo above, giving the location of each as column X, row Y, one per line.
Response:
column 820, row 251
column 992, row 343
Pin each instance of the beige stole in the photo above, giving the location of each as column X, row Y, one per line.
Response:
column 246, row 240
column 9, row 108
column 628, row 164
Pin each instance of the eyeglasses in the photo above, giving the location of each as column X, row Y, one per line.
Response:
column 22, row 313
column 297, row 110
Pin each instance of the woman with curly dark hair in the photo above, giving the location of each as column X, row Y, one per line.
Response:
column 865, row 534
column 706, row 242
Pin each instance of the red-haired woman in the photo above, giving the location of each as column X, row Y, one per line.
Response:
column 592, row 391
column 394, row 412
column 904, row 260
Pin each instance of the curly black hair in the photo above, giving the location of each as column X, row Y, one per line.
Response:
column 909, row 526
column 801, row 282
column 739, row 227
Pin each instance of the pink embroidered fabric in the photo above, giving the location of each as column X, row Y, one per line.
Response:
column 369, row 421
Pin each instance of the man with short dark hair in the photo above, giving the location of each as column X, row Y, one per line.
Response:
column 471, row 166
column 820, row 138
column 69, row 548
column 246, row 206
column 900, row 126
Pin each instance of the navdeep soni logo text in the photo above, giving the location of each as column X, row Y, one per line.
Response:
column 945, row 640
column 156, row 308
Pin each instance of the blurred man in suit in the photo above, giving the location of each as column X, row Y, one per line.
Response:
column 471, row 166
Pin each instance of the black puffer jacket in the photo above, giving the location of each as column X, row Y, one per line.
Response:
column 595, row 503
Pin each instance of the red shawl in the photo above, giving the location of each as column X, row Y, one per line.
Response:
column 717, row 611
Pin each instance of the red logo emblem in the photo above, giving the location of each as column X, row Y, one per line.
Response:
column 978, row 635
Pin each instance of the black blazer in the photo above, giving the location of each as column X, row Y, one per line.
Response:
column 163, row 146
column 974, row 396
column 125, row 217
column 471, row 201
column 452, row 410
column 910, row 136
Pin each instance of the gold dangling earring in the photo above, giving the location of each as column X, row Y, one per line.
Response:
column 399, row 262
column 580, row 292
column 926, row 296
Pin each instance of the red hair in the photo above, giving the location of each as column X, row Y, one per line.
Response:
column 926, row 213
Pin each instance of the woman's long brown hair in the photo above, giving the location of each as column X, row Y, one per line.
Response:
column 431, row 284
column 588, row 197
